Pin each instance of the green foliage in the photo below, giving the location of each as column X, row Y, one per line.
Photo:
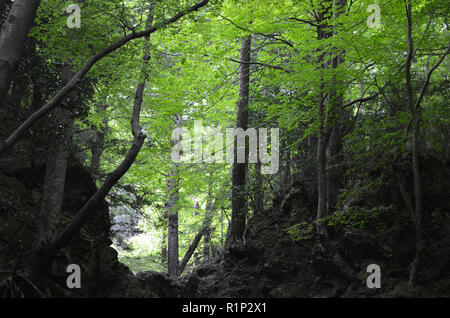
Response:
column 193, row 73
column 354, row 217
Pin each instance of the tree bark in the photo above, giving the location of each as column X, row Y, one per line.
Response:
column 415, row 152
column 239, row 201
column 172, row 245
column 322, row 204
column 173, row 260
column 12, row 37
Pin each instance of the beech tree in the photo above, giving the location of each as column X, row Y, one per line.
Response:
column 239, row 197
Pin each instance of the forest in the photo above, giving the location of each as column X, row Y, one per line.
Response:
column 224, row 149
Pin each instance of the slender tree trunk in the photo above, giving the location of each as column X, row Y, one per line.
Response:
column 172, row 213
column 221, row 229
column 322, row 205
column 415, row 152
column 172, row 237
column 164, row 249
column 239, row 201
column 191, row 250
column 334, row 153
column 322, row 139
column 327, row 121
column 12, row 38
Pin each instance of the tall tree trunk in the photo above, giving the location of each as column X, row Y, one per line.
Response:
column 334, row 153
column 327, row 119
column 322, row 204
column 12, row 38
column 172, row 214
column 415, row 152
column 221, row 229
column 172, row 237
column 238, row 199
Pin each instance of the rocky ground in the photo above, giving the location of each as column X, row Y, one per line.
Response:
column 269, row 264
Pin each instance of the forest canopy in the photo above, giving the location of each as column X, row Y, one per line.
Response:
column 334, row 103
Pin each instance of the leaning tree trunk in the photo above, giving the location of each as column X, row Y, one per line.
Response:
column 238, row 200
column 12, row 38
column 45, row 255
column 191, row 250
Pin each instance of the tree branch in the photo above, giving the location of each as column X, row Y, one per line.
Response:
column 191, row 250
column 361, row 100
column 12, row 139
column 428, row 78
column 276, row 67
